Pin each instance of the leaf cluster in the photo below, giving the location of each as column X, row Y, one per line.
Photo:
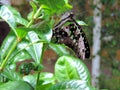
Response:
column 27, row 40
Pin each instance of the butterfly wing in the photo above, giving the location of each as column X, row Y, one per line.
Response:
column 70, row 33
column 81, row 42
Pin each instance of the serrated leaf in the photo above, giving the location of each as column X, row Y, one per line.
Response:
column 72, row 85
column 16, row 85
column 69, row 68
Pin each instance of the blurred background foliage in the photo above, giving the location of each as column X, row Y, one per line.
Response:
column 110, row 40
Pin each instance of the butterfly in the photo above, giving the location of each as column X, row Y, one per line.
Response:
column 70, row 33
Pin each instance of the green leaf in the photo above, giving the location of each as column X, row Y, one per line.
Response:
column 47, row 78
column 7, row 45
column 46, row 86
column 31, row 79
column 44, row 30
column 17, row 16
column 69, row 68
column 55, row 6
column 34, row 9
column 72, row 85
column 12, row 17
column 21, row 56
column 35, row 50
column 8, row 16
column 46, row 81
column 34, row 6
column 22, row 32
column 66, row 1
column 10, row 74
column 45, row 35
column 82, row 23
column 59, row 49
column 16, row 85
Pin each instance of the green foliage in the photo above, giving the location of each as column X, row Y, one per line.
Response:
column 73, row 85
column 110, row 43
column 27, row 40
column 12, row 17
column 111, row 82
column 68, row 68
column 13, row 85
column 111, row 2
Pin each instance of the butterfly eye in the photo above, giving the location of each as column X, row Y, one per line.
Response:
column 70, row 33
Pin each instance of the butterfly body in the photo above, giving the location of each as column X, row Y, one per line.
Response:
column 70, row 33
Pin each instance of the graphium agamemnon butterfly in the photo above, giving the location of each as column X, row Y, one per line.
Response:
column 70, row 33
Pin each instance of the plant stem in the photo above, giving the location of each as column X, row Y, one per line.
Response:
column 9, row 53
column 34, row 17
column 29, row 24
column 38, row 77
column 37, row 13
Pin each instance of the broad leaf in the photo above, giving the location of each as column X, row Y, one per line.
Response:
column 59, row 49
column 45, row 36
column 72, row 85
column 31, row 50
column 47, row 78
column 8, row 16
column 17, row 16
column 36, row 49
column 46, row 81
column 8, row 43
column 16, row 85
column 69, row 68
column 10, row 74
column 44, row 30
column 22, row 32
column 12, row 17
column 20, row 53
column 21, row 56
column 55, row 6
column 31, row 79
column 82, row 23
